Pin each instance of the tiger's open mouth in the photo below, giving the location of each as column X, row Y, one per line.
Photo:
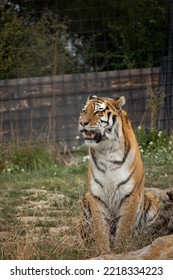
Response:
column 92, row 135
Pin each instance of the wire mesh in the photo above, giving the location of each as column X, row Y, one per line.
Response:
column 54, row 53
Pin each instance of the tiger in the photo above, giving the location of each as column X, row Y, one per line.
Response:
column 116, row 207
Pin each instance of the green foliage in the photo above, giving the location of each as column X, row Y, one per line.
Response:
column 150, row 140
column 135, row 37
column 31, row 46
column 156, row 147
column 120, row 35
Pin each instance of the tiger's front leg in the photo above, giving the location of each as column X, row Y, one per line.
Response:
column 132, row 221
column 125, row 223
column 94, row 227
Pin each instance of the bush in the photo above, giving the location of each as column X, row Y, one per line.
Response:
column 150, row 140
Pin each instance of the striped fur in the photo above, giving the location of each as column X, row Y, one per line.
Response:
column 115, row 207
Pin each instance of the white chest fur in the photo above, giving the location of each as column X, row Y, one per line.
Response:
column 112, row 182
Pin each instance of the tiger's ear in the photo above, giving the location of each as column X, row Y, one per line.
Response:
column 91, row 97
column 119, row 102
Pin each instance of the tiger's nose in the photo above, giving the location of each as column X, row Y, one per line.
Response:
column 84, row 123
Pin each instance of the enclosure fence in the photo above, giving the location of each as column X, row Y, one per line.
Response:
column 43, row 102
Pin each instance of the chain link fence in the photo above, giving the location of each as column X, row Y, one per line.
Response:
column 53, row 55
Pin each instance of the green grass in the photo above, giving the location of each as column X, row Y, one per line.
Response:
column 39, row 206
column 39, row 209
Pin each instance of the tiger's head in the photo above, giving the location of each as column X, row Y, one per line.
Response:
column 100, row 119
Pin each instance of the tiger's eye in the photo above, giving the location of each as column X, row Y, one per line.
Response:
column 97, row 113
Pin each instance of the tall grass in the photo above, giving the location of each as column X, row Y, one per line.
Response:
column 21, row 156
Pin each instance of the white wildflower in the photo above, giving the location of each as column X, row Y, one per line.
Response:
column 85, row 158
column 159, row 133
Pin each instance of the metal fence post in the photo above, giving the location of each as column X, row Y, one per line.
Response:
column 168, row 107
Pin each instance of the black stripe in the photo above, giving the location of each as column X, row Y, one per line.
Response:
column 95, row 162
column 144, row 214
column 131, row 192
column 107, row 122
column 104, row 121
column 104, row 165
column 127, row 150
column 153, row 218
column 98, row 182
column 125, row 197
column 86, row 209
column 100, row 200
column 109, row 113
column 126, row 180
column 147, row 209
column 139, row 213
column 113, row 118
column 101, row 111
column 113, row 225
